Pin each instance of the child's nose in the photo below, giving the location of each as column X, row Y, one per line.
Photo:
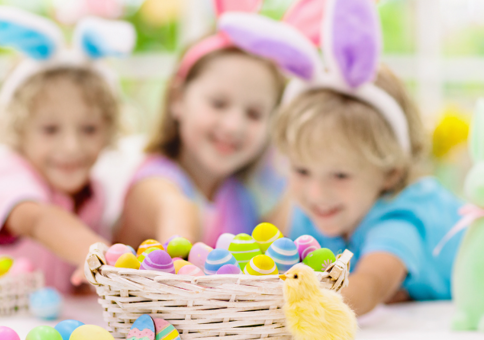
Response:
column 316, row 192
column 233, row 122
column 70, row 142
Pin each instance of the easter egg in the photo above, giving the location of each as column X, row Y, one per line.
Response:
column 265, row 234
column 114, row 252
column 244, row 248
column 141, row 257
column 180, row 264
column 149, row 244
column 229, row 269
column 284, row 253
column 21, row 265
column 131, row 249
column 306, row 244
column 179, row 247
column 8, row 334
column 127, row 260
column 320, row 259
column 66, row 327
column 45, row 303
column 216, row 259
column 261, row 265
column 5, row 264
column 90, row 332
column 165, row 245
column 199, row 254
column 224, row 240
column 191, row 270
column 165, row 330
column 43, row 333
column 143, row 329
column 158, row 260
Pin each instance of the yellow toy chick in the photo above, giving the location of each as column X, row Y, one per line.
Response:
column 312, row 313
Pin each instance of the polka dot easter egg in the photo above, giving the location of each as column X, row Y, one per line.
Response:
column 165, row 331
column 244, row 248
column 114, row 252
column 127, row 260
column 199, row 254
column 284, row 253
column 224, row 241
column 265, row 234
column 143, row 329
column 232, row 269
column 216, row 259
column 179, row 247
column 261, row 265
column 191, row 270
column 158, row 260
column 320, row 259
column 306, row 244
column 5, row 264
column 90, row 332
column 149, row 244
column 179, row 264
column 142, row 257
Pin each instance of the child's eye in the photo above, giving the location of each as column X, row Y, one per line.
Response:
column 89, row 129
column 302, row 171
column 254, row 114
column 219, row 104
column 50, row 129
column 341, row 175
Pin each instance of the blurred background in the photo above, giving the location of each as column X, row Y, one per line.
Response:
column 435, row 46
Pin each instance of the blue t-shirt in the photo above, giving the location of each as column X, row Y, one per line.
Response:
column 409, row 226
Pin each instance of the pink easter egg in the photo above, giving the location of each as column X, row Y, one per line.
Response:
column 306, row 244
column 224, row 241
column 8, row 333
column 21, row 265
column 158, row 260
column 114, row 252
column 229, row 269
column 198, row 254
column 191, row 270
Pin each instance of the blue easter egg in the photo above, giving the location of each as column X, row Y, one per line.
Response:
column 45, row 303
column 216, row 259
column 284, row 253
column 66, row 327
column 143, row 329
column 131, row 249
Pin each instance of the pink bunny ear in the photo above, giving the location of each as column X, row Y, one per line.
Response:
column 223, row 6
column 352, row 40
column 307, row 17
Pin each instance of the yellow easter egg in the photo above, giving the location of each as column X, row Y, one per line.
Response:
column 149, row 244
column 141, row 258
column 5, row 264
column 261, row 265
column 179, row 264
column 265, row 234
column 90, row 332
column 127, row 260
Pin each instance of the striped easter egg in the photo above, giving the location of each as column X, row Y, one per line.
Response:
column 216, row 259
column 143, row 329
column 232, row 269
column 244, row 248
column 284, row 253
column 141, row 258
column 265, row 234
column 149, row 244
column 179, row 264
column 114, row 253
column 306, row 244
column 158, row 260
column 191, row 270
column 261, row 265
column 165, row 330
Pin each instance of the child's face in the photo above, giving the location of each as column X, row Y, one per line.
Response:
column 336, row 190
column 64, row 136
column 224, row 114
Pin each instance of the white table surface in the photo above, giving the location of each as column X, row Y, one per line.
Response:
column 409, row 321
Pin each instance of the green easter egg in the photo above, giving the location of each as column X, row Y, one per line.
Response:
column 320, row 259
column 44, row 333
column 243, row 247
column 179, row 247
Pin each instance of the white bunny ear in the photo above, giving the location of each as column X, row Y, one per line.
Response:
column 34, row 36
column 277, row 41
column 100, row 38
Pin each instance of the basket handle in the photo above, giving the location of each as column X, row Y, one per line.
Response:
column 339, row 270
column 95, row 260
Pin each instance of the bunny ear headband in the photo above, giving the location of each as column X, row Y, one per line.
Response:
column 42, row 43
column 351, row 49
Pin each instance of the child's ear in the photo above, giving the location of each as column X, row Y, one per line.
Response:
column 176, row 100
column 392, row 178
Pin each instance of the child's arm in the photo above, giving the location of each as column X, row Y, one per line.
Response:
column 156, row 208
column 376, row 279
column 58, row 230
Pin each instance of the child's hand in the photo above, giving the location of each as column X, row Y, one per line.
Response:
column 78, row 277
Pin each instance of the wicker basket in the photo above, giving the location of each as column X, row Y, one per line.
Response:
column 206, row 307
column 15, row 291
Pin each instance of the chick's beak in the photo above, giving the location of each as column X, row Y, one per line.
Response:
column 283, row 277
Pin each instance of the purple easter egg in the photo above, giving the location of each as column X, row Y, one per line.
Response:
column 306, row 244
column 229, row 269
column 158, row 260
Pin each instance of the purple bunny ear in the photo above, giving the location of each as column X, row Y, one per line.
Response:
column 352, row 40
column 277, row 41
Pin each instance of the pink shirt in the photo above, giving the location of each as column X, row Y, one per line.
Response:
column 19, row 182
